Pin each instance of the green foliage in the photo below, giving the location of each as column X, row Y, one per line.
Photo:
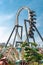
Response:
column 27, row 44
column 31, row 53
column 34, row 44
column 10, row 62
column 1, row 55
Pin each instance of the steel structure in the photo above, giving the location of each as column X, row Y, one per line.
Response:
column 17, row 26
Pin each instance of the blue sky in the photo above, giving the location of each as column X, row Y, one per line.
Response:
column 8, row 10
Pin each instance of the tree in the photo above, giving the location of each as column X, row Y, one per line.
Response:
column 31, row 52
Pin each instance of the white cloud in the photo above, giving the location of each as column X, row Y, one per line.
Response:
column 3, row 34
column 37, row 24
column 39, row 20
column 6, row 17
column 38, row 40
column 5, row 31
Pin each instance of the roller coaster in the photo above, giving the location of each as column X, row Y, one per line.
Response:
column 29, row 33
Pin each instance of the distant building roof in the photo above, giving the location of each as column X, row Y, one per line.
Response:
column 2, row 44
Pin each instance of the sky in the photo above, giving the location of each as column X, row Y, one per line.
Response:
column 8, row 10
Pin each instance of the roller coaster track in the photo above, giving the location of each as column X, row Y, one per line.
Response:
column 17, row 26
